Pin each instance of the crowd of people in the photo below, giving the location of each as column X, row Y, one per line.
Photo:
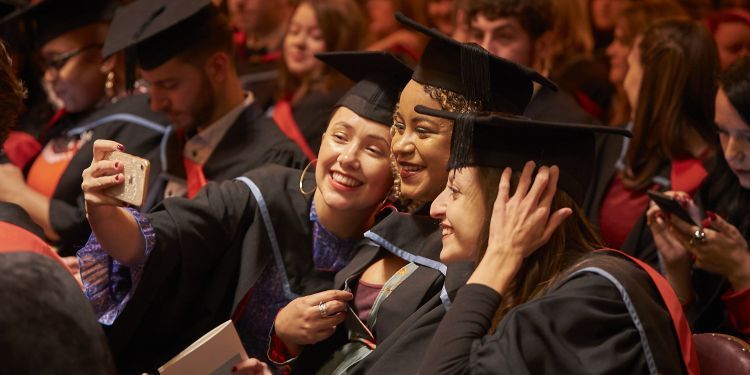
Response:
column 375, row 186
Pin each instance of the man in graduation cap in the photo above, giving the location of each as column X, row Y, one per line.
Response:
column 69, row 35
column 185, row 53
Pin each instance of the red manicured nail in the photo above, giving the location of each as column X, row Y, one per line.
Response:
column 706, row 222
column 117, row 178
column 234, row 369
column 121, row 147
column 711, row 215
column 117, row 164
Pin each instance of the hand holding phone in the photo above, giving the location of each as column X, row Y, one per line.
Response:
column 135, row 171
column 670, row 205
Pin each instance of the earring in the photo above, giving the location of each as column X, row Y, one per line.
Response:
column 395, row 193
column 302, row 177
column 109, row 86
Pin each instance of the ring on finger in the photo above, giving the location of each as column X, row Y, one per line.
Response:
column 698, row 237
column 322, row 308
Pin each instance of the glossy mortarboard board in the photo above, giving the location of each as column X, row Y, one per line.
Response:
column 49, row 19
column 498, row 84
column 499, row 141
column 379, row 78
column 158, row 30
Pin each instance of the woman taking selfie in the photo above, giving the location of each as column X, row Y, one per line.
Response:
column 540, row 300
column 388, row 290
column 242, row 248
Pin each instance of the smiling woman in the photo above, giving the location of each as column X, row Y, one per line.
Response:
column 308, row 89
column 244, row 248
column 387, row 283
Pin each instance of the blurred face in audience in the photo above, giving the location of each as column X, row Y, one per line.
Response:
column 618, row 52
column 72, row 67
column 461, row 210
column 502, row 37
column 632, row 82
column 442, row 14
column 603, row 12
column 353, row 171
column 733, row 41
column 183, row 92
column 734, row 134
column 256, row 16
column 302, row 41
column 421, row 145
column 380, row 14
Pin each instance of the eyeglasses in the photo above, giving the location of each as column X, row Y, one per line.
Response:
column 58, row 62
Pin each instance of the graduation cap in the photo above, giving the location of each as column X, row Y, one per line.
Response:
column 499, row 85
column 158, row 30
column 499, row 141
column 380, row 78
column 52, row 18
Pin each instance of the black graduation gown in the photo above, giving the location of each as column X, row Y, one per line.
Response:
column 548, row 105
column 251, row 142
column 400, row 342
column 209, row 251
column 581, row 325
column 133, row 125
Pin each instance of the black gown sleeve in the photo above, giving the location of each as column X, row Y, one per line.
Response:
column 199, row 230
column 469, row 318
column 581, row 327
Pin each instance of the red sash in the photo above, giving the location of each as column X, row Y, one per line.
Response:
column 684, row 334
column 15, row 238
column 282, row 115
column 194, row 175
column 21, row 147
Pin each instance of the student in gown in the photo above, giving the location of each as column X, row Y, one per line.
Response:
column 17, row 231
column 241, row 249
column 389, row 290
column 671, row 82
column 308, row 89
column 541, row 300
column 712, row 276
column 184, row 52
column 69, row 37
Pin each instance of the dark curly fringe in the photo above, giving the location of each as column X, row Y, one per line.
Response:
column 452, row 101
column 12, row 94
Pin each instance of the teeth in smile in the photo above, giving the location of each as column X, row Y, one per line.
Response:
column 345, row 180
column 411, row 168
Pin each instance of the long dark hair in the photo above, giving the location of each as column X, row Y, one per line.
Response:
column 722, row 191
column 539, row 271
column 680, row 67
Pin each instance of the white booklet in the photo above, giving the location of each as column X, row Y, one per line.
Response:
column 215, row 353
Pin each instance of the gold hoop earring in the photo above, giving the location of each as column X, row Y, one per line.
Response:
column 302, row 178
column 109, row 86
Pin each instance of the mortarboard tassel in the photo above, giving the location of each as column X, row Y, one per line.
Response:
column 462, row 141
column 475, row 73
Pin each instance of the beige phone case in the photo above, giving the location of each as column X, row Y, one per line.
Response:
column 133, row 190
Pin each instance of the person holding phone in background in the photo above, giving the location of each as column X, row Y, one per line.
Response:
column 708, row 265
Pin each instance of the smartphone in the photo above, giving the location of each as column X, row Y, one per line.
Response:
column 670, row 205
column 133, row 190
